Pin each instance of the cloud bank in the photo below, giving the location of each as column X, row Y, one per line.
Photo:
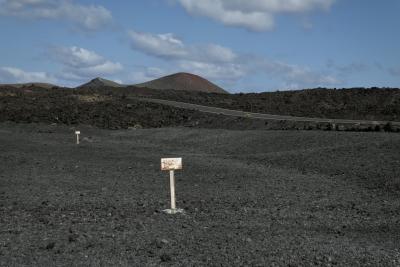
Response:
column 169, row 46
column 209, row 60
column 218, row 63
column 79, row 63
column 84, row 17
column 15, row 75
column 254, row 15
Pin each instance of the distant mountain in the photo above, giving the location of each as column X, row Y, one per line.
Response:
column 183, row 81
column 27, row 85
column 99, row 82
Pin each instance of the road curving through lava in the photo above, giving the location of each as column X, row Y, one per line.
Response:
column 263, row 116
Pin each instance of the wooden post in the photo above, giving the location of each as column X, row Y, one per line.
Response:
column 172, row 185
column 172, row 164
column 77, row 136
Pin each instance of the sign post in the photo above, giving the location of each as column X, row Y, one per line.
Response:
column 172, row 164
column 172, row 187
column 77, row 136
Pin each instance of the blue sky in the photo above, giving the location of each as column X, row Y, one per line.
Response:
column 241, row 45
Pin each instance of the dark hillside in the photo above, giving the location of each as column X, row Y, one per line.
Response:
column 110, row 107
column 185, row 82
column 355, row 103
column 98, row 82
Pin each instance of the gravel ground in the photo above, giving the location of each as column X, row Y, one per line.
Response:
column 255, row 198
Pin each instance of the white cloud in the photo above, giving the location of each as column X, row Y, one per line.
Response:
column 215, row 53
column 85, row 17
column 215, row 9
column 76, row 57
column 171, row 47
column 255, row 15
column 276, row 6
column 148, row 73
column 106, row 68
column 161, row 45
column 224, row 72
column 15, row 75
column 208, row 60
column 79, row 63
column 291, row 74
column 218, row 63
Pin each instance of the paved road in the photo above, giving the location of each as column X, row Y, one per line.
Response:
column 238, row 113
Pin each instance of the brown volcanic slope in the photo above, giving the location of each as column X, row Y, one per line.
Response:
column 183, row 81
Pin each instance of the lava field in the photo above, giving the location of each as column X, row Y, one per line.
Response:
column 251, row 197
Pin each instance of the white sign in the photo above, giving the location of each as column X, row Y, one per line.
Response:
column 168, row 164
column 172, row 164
column 77, row 136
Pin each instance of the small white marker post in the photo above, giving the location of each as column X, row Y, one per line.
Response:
column 77, row 136
column 172, row 164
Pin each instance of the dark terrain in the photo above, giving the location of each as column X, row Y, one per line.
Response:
column 255, row 198
column 115, row 108
column 380, row 104
column 252, row 197
column 357, row 103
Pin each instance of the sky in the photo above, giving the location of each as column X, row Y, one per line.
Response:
column 241, row 45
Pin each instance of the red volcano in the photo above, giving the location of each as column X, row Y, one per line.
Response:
column 183, row 81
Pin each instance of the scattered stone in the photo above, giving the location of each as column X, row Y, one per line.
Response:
column 140, row 226
column 165, row 257
column 161, row 243
column 50, row 245
column 135, row 127
column 87, row 139
column 72, row 238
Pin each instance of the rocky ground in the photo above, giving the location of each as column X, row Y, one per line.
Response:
column 256, row 198
column 118, row 108
column 355, row 103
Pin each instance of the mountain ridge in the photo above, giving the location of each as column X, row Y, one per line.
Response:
column 30, row 84
column 183, row 81
column 98, row 81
